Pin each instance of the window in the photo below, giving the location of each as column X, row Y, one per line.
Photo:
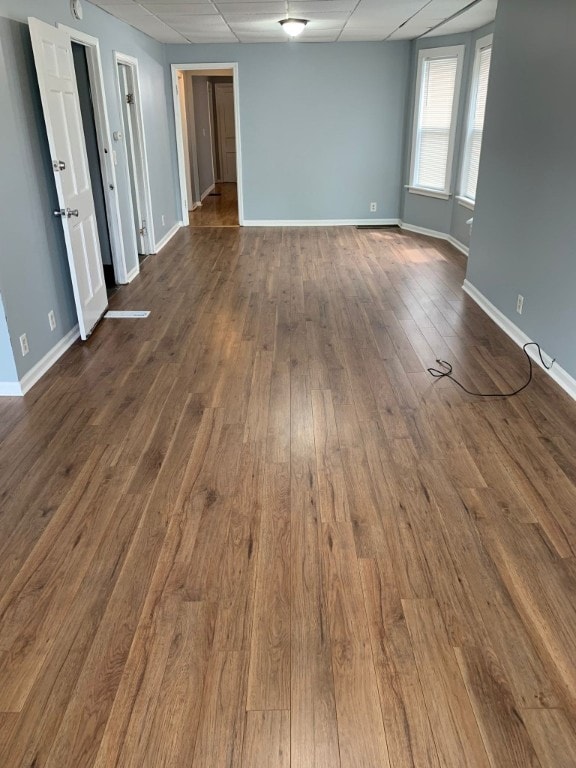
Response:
column 437, row 93
column 474, row 131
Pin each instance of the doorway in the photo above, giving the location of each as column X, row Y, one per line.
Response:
column 136, row 160
column 80, row 59
column 208, row 141
column 88, row 70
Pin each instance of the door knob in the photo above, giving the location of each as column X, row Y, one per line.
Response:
column 67, row 212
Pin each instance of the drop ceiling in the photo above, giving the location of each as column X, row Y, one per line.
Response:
column 256, row 21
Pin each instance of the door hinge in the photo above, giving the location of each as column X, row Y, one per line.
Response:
column 129, row 98
column 143, row 228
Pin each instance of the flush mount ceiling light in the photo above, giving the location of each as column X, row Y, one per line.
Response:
column 293, row 27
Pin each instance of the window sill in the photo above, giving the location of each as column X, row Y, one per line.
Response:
column 466, row 202
column 429, row 192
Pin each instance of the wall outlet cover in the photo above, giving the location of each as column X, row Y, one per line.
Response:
column 24, row 345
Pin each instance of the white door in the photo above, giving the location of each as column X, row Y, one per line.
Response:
column 59, row 94
column 226, row 130
column 128, row 100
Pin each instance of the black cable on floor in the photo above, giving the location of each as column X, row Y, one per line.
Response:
column 447, row 374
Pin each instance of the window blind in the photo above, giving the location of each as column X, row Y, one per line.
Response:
column 476, row 124
column 435, row 122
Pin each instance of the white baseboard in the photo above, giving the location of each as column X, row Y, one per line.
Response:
column 168, row 236
column 319, row 222
column 206, row 192
column 42, row 366
column 560, row 376
column 133, row 273
column 10, row 389
column 439, row 235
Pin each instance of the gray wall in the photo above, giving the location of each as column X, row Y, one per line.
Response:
column 446, row 216
column 524, row 236
column 34, row 274
column 7, row 365
column 321, row 126
column 203, row 140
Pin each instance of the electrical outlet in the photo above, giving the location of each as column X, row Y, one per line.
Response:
column 373, row 207
column 163, row 220
column 520, row 304
column 24, row 345
column 52, row 319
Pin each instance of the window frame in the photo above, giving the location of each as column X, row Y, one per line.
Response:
column 428, row 54
column 481, row 44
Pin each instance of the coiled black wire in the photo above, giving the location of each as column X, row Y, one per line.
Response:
column 447, row 374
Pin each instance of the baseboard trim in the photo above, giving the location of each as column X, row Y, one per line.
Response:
column 318, row 222
column 557, row 373
column 207, row 192
column 133, row 273
column 42, row 366
column 10, row 389
column 439, row 235
column 167, row 237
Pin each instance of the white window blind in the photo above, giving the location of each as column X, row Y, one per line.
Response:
column 438, row 81
column 476, row 122
column 438, row 84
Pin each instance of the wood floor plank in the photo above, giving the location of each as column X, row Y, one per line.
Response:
column 222, row 721
column 267, row 740
column 332, row 496
column 178, row 707
column 361, row 734
column 269, row 676
column 553, row 736
column 314, row 732
column 503, row 732
column 454, row 725
column 406, row 723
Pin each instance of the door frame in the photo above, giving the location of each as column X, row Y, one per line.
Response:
column 141, row 155
column 92, row 46
column 175, row 68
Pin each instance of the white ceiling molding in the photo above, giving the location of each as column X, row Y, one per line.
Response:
column 256, row 21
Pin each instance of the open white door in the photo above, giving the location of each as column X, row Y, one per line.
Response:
column 226, row 130
column 59, row 94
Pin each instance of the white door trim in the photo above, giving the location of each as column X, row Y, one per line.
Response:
column 141, row 155
column 180, row 141
column 92, row 46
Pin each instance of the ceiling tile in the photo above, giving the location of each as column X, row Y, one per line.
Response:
column 128, row 11
column 106, row 3
column 476, row 17
column 278, row 8
column 171, row 10
column 306, row 8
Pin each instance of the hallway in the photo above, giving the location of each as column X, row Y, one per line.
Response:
column 251, row 532
column 218, row 209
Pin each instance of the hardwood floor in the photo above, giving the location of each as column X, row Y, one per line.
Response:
column 219, row 209
column 251, row 532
